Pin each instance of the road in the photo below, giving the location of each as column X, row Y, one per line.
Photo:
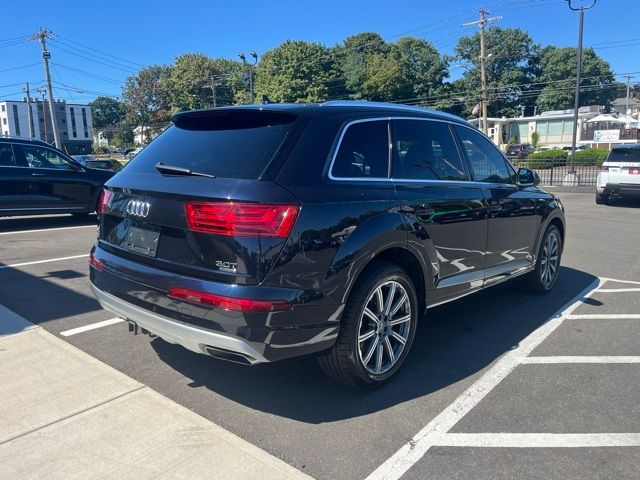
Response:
column 523, row 396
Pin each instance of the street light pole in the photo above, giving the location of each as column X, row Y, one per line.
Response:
column 572, row 175
column 628, row 77
column 254, row 55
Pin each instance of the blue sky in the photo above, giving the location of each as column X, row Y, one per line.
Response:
column 137, row 33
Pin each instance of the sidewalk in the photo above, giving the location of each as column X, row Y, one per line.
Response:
column 65, row 415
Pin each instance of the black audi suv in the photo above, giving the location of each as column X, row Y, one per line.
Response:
column 257, row 233
column 36, row 178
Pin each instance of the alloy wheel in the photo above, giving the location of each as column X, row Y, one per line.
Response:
column 549, row 260
column 384, row 327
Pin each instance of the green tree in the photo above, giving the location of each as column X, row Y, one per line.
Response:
column 295, row 71
column 558, row 72
column 146, row 98
column 510, row 68
column 352, row 58
column 106, row 111
column 189, row 85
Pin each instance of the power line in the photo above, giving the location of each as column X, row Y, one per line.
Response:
column 128, row 70
column 98, row 51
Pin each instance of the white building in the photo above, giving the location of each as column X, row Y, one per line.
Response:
column 74, row 123
column 555, row 129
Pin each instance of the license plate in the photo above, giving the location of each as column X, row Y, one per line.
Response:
column 141, row 240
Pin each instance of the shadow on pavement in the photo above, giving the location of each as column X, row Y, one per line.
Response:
column 454, row 341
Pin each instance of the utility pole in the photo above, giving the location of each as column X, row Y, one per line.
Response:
column 482, row 23
column 214, row 84
column 42, row 36
column 572, row 177
column 29, row 112
column 44, row 114
column 628, row 77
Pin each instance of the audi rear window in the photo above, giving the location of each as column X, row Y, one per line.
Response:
column 624, row 155
column 223, row 143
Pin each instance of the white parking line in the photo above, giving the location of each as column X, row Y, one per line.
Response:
column 92, row 326
column 410, row 453
column 605, row 279
column 17, row 232
column 603, row 316
column 583, row 359
column 43, row 261
column 538, row 440
column 618, row 290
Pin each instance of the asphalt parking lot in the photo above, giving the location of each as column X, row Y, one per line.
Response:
column 501, row 385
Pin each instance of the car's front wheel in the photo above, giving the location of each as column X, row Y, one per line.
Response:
column 602, row 199
column 544, row 276
column 377, row 329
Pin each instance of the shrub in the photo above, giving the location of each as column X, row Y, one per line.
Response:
column 535, row 138
column 592, row 156
column 546, row 159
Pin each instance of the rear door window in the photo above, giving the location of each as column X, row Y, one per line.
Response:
column 425, row 150
column 225, row 143
column 41, row 157
column 363, row 151
column 485, row 160
column 8, row 157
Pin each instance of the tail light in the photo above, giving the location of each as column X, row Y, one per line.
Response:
column 227, row 303
column 104, row 200
column 94, row 262
column 242, row 219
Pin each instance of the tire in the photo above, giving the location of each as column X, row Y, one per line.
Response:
column 602, row 199
column 535, row 281
column 362, row 355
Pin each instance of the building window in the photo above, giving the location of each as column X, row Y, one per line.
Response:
column 3, row 108
column 64, row 120
column 74, row 132
column 15, row 119
column 84, row 123
column 4, row 121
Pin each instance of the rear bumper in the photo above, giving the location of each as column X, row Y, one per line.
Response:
column 138, row 292
column 622, row 189
column 194, row 339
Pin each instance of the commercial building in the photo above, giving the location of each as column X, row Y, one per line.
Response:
column 74, row 123
column 555, row 128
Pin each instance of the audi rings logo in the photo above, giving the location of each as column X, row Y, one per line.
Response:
column 137, row 208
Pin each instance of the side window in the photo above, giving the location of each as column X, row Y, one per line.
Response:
column 40, row 157
column 485, row 160
column 363, row 152
column 425, row 150
column 7, row 157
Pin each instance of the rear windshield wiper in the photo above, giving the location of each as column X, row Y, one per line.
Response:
column 173, row 170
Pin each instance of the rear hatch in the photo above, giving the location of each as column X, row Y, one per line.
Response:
column 200, row 200
column 623, row 166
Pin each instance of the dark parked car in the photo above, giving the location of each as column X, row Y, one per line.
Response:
column 519, row 150
column 110, row 164
column 254, row 234
column 36, row 178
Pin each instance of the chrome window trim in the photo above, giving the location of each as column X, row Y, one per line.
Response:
column 334, row 154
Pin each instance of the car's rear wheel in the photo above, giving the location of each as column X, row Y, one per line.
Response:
column 602, row 199
column 543, row 278
column 377, row 330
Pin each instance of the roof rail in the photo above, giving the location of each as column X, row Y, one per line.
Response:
column 390, row 106
column 19, row 137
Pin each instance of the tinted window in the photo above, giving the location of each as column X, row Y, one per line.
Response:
column 624, row 155
column 40, row 157
column 425, row 150
column 7, row 158
column 363, row 152
column 224, row 143
column 485, row 160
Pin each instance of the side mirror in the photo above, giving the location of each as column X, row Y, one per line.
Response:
column 527, row 178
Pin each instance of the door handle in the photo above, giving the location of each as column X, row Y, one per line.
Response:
column 38, row 174
column 424, row 209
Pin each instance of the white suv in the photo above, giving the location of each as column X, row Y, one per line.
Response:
column 620, row 174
